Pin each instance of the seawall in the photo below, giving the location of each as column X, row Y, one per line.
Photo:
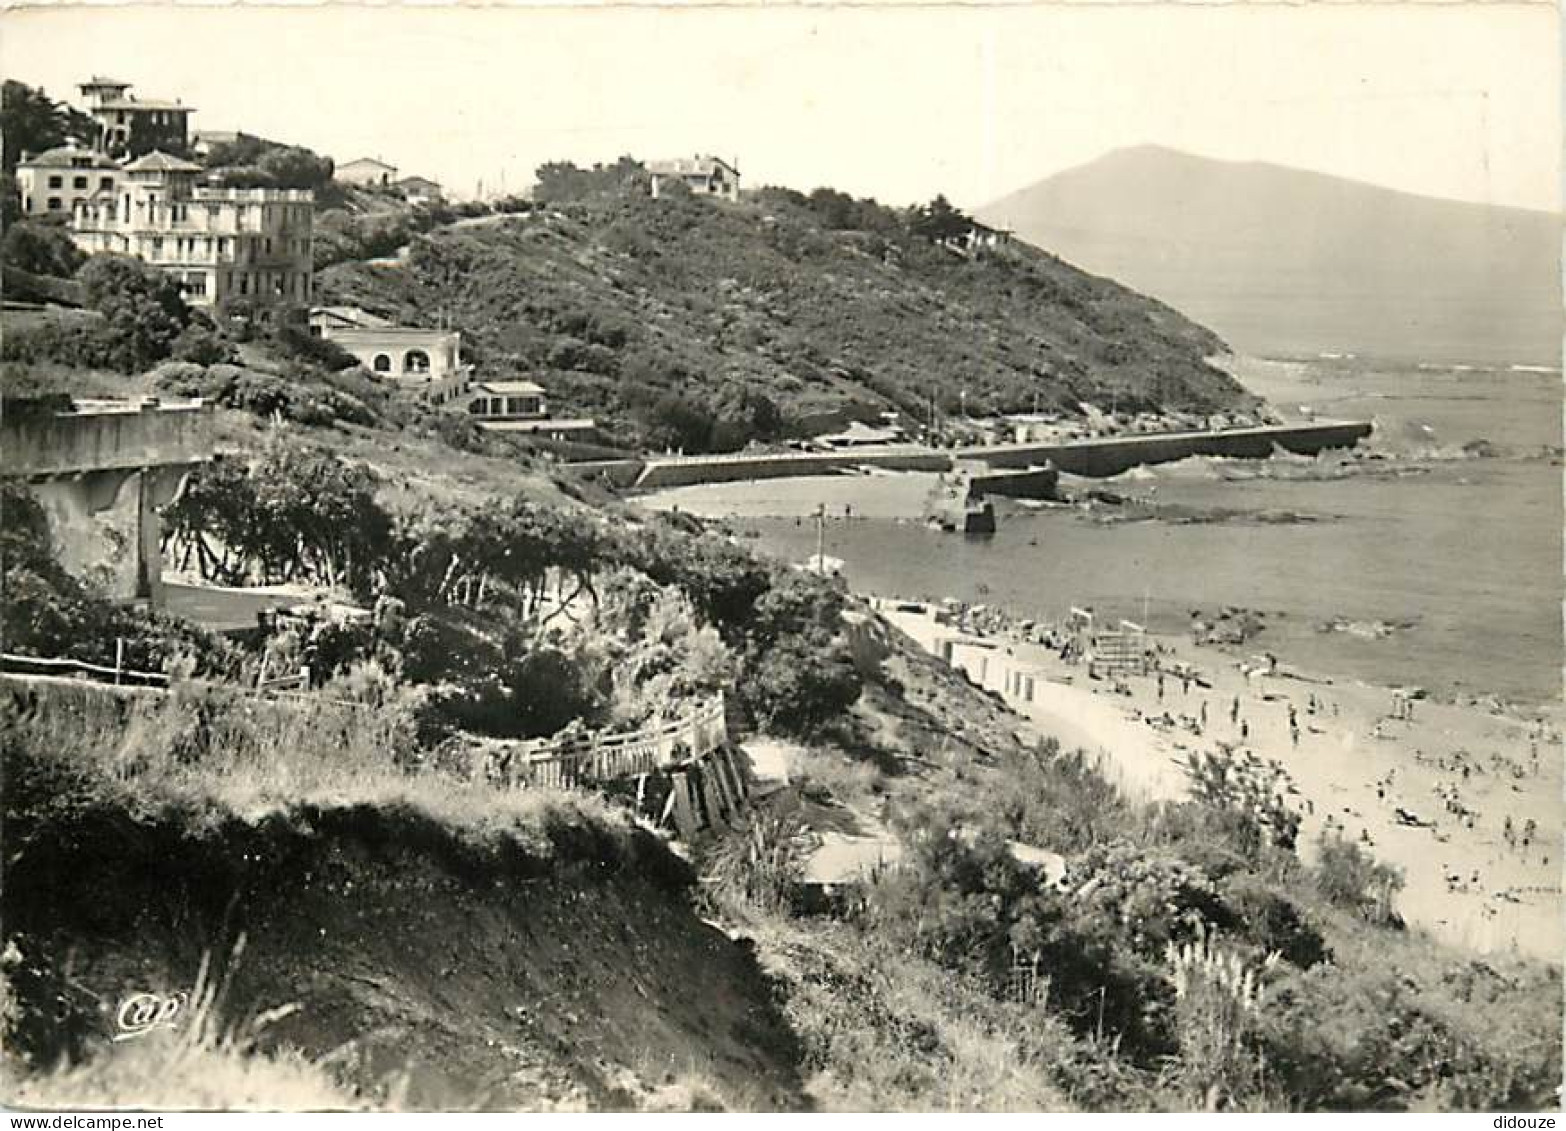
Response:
column 1102, row 458
column 1095, row 458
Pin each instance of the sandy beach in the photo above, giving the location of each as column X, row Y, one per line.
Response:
column 1461, row 771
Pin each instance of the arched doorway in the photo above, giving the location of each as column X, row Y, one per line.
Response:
column 416, row 361
column 382, row 363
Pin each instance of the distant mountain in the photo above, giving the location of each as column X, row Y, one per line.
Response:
column 1281, row 260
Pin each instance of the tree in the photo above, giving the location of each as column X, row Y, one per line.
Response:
column 144, row 310
column 32, row 122
column 293, row 166
column 40, row 249
column 938, row 220
column 562, row 181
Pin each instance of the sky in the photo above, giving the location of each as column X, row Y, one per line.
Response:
column 1458, row 100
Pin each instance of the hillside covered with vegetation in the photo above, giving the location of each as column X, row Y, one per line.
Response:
column 700, row 324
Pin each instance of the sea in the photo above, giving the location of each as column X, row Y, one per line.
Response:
column 1431, row 559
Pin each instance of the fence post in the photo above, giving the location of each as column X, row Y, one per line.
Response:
column 119, row 658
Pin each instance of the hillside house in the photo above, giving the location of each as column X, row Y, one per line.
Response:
column 426, row 362
column 366, row 172
column 508, row 400
column 129, row 126
column 421, row 190
column 519, row 407
column 704, row 176
column 978, row 238
column 224, row 245
column 53, row 182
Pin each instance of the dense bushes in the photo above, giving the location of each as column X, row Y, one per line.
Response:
column 40, row 249
column 143, row 309
column 1356, row 881
column 474, row 583
column 299, row 399
column 142, row 315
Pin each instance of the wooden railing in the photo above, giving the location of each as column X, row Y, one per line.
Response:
column 48, row 665
column 583, row 759
column 591, row 757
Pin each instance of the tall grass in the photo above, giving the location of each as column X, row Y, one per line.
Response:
column 196, row 1063
column 211, row 753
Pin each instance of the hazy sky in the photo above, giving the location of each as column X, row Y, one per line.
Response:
column 1459, row 100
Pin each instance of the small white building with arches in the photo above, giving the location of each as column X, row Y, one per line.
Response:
column 428, row 362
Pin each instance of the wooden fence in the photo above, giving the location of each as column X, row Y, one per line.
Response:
column 589, row 758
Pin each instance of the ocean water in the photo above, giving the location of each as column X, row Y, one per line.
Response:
column 1439, row 570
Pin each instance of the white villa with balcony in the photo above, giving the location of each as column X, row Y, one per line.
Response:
column 222, row 244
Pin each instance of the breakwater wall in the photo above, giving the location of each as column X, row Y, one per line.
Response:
column 1096, row 458
column 1101, row 458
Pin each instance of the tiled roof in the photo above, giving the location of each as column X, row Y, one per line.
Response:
column 159, row 162
column 351, row 314
column 511, row 388
column 142, row 104
column 100, row 80
column 63, row 155
column 690, row 166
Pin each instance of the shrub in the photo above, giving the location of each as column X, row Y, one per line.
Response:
column 800, row 684
column 79, row 344
column 1272, row 921
column 47, row 612
column 203, row 347
column 40, row 249
column 1218, row 990
column 761, row 867
column 1351, row 878
column 144, row 310
column 296, row 340
column 1369, row 1040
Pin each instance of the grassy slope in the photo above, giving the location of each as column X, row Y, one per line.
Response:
column 713, row 300
column 442, row 945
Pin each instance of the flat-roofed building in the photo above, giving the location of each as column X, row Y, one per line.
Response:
column 507, row 400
